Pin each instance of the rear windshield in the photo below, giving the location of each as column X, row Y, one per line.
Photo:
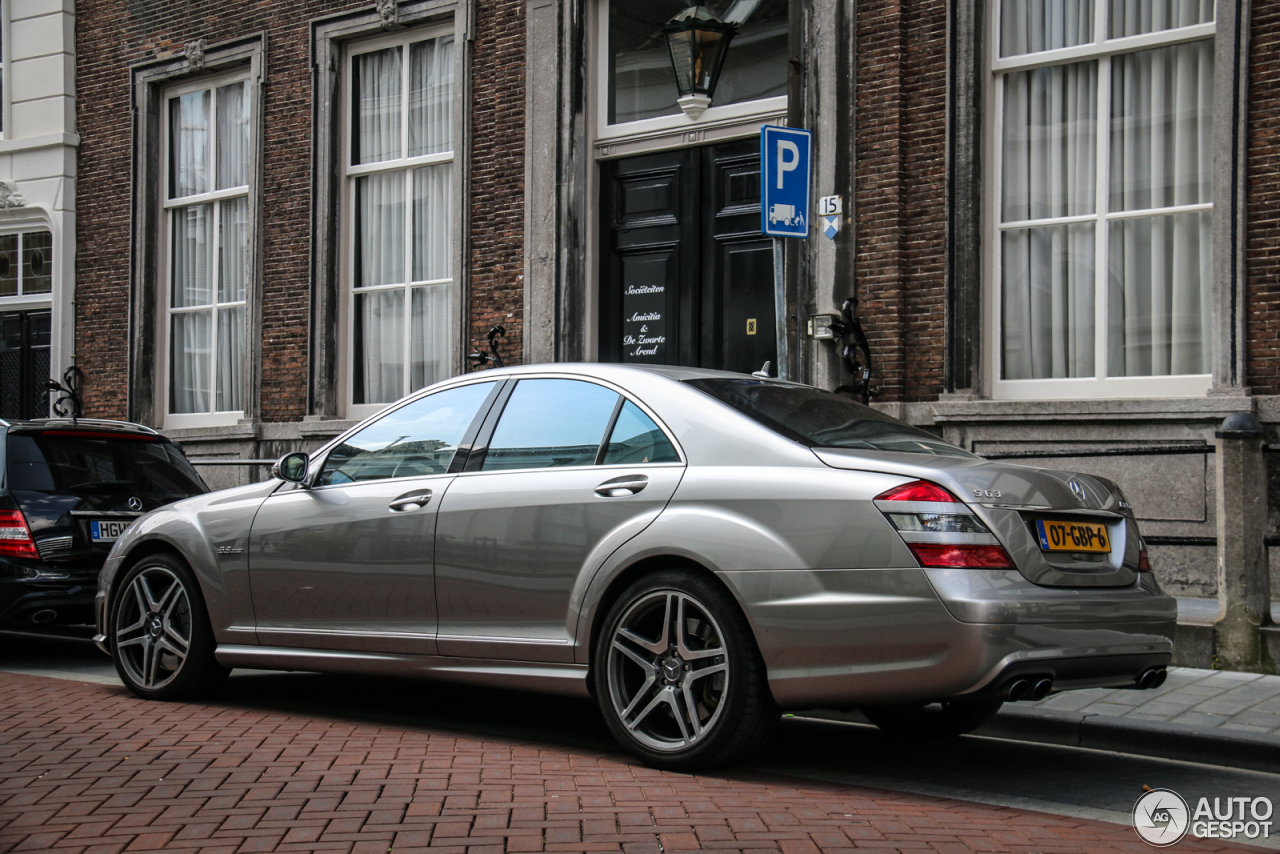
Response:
column 48, row 462
column 823, row 419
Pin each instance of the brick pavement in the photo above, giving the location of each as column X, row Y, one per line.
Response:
column 88, row 768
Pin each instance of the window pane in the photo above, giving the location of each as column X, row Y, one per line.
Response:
column 641, row 84
column 431, row 96
column 233, row 250
column 417, row 439
column 189, row 144
column 380, row 230
column 230, row 358
column 1161, row 126
column 379, row 347
column 1030, row 26
column 233, row 135
column 432, row 231
column 1159, row 275
column 9, row 265
column 37, row 262
column 1050, row 142
column 551, row 423
column 192, row 253
column 1047, row 294
column 636, row 439
column 189, row 377
column 1134, row 17
column 429, row 336
column 375, row 84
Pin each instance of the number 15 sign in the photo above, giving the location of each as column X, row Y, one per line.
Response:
column 784, row 181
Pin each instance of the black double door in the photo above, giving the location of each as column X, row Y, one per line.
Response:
column 686, row 276
column 24, row 363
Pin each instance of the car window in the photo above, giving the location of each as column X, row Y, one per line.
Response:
column 419, row 438
column 636, row 439
column 823, row 419
column 74, row 461
column 551, row 423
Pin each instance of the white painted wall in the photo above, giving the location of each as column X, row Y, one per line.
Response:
column 38, row 148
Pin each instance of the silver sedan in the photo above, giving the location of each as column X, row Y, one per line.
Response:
column 695, row 549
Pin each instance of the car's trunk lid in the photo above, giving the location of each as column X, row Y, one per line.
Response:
column 1013, row 500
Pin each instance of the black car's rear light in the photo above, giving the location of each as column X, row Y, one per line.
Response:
column 940, row 529
column 15, row 535
column 1144, row 562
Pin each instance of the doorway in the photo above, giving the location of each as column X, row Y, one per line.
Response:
column 686, row 277
column 24, row 363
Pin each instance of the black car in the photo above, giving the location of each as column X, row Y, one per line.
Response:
column 68, row 489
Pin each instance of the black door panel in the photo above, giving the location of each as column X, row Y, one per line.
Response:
column 24, row 363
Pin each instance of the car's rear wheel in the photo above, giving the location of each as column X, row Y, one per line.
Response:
column 161, row 639
column 678, row 674
column 933, row 720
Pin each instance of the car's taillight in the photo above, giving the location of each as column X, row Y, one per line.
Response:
column 940, row 529
column 1144, row 562
column 15, row 536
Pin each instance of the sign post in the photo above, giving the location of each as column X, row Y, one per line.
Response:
column 784, row 210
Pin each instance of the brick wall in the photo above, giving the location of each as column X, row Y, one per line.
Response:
column 901, row 194
column 1262, row 252
column 113, row 35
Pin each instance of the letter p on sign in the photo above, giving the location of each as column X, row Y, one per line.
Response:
column 787, row 163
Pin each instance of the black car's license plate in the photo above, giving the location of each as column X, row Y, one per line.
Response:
column 108, row 530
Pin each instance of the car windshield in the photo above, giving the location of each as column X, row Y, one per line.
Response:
column 61, row 462
column 822, row 419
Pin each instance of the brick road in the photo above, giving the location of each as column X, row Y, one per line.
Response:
column 88, row 768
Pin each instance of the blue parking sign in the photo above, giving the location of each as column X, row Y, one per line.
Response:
column 784, row 181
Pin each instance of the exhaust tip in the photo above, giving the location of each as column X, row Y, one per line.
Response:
column 1147, row 679
column 1019, row 690
column 44, row 616
column 1161, row 675
column 1042, row 689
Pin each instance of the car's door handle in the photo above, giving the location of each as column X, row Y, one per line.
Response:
column 628, row 484
column 411, row 500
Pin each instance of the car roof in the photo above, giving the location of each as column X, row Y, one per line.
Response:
column 606, row 370
column 98, row 425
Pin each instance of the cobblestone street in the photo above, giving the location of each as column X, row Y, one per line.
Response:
column 88, row 768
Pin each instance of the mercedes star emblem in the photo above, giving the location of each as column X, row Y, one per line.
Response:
column 1077, row 489
column 135, row 503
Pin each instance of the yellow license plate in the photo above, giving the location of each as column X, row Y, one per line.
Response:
column 1072, row 536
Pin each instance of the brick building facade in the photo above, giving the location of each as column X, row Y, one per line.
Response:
column 1008, row 316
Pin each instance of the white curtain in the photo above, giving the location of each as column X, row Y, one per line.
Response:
column 432, row 222
column 1134, row 17
column 1049, row 170
column 377, row 93
column 379, row 346
column 230, row 357
column 431, row 96
column 192, row 251
column 233, row 249
column 189, row 383
column 189, row 144
column 380, row 228
column 1161, row 156
column 429, row 336
column 233, row 135
column 1030, row 26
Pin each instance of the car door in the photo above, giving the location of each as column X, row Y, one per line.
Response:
column 345, row 562
column 544, row 502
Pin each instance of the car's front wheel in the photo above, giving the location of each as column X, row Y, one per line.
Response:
column 678, row 674
column 161, row 639
column 933, row 720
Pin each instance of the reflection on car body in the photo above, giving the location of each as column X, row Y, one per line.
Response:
column 696, row 549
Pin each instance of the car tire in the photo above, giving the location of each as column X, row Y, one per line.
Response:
column 933, row 720
column 678, row 675
column 159, row 632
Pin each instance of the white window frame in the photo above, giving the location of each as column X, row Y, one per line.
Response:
column 1100, row 385
column 166, row 311
column 22, row 300
column 675, row 131
column 349, row 172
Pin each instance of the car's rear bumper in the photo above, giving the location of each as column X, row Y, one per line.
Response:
column 25, row 603
column 842, row 638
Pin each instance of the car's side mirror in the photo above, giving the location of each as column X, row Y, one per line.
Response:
column 291, row 467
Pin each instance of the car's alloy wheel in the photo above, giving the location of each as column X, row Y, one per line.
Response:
column 160, row 635
column 679, row 677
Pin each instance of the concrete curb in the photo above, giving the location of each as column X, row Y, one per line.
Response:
column 1116, row 734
